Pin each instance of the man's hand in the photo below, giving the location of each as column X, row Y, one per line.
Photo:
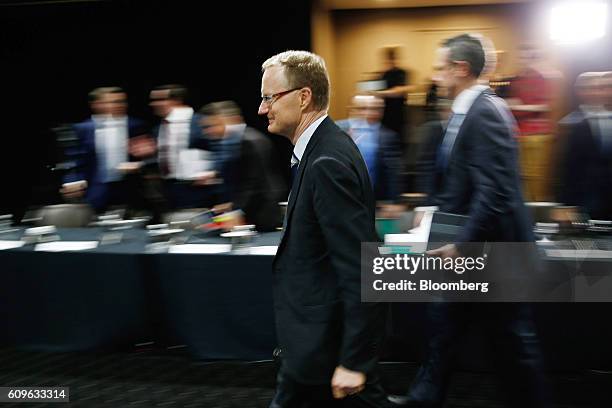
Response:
column 129, row 167
column 390, row 210
column 446, row 251
column 74, row 189
column 142, row 146
column 418, row 217
column 346, row 382
column 206, row 178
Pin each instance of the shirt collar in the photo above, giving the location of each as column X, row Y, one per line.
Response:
column 300, row 146
column 180, row 114
column 593, row 110
column 108, row 119
column 464, row 101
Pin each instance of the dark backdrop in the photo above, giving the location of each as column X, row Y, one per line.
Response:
column 53, row 53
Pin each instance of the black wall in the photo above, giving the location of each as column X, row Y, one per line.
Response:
column 52, row 54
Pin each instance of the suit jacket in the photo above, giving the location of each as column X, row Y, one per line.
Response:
column 585, row 172
column 387, row 185
column 320, row 320
column 482, row 177
column 253, row 184
column 86, row 160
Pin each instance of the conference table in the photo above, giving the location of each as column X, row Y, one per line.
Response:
column 219, row 305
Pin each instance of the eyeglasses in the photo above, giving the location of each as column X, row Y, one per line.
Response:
column 270, row 99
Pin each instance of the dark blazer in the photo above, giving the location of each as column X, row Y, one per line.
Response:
column 482, row 177
column 387, row 185
column 86, row 160
column 320, row 320
column 585, row 172
column 253, row 183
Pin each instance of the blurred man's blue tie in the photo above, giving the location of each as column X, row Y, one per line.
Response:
column 446, row 147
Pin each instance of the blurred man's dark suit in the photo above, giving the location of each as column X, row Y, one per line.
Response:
column 480, row 179
column 585, row 174
column 320, row 320
column 252, row 183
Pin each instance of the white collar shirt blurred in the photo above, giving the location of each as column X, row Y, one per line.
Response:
column 174, row 138
column 111, row 140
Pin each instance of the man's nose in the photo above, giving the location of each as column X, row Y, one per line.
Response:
column 263, row 108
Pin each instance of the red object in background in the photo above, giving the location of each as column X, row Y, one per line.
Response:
column 532, row 88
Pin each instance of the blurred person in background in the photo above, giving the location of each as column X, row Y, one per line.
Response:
column 102, row 155
column 585, row 173
column 379, row 146
column 244, row 163
column 394, row 94
column 531, row 96
column 531, row 92
column 181, row 157
column 430, row 136
column 477, row 176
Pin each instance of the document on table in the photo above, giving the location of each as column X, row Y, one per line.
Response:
column 200, row 249
column 61, row 246
column 10, row 244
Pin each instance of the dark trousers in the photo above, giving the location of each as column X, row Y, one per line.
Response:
column 509, row 327
column 291, row 394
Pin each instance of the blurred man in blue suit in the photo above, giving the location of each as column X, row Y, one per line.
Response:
column 586, row 162
column 379, row 145
column 476, row 175
column 102, row 156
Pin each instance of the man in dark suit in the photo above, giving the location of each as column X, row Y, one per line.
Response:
column 328, row 337
column 244, row 164
column 477, row 175
column 103, row 148
column 586, row 163
column 379, row 145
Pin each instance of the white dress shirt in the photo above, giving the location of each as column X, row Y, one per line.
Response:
column 300, row 146
column 174, row 138
column 111, row 139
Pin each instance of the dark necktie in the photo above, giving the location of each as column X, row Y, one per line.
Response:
column 295, row 164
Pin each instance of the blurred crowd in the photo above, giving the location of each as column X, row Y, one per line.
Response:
column 211, row 159
column 206, row 159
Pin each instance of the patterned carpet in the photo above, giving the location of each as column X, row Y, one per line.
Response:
column 153, row 378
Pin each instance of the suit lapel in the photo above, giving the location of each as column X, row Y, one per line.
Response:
column 324, row 127
column 462, row 128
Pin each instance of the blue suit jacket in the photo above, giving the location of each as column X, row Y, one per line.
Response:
column 388, row 162
column 86, row 160
column 482, row 177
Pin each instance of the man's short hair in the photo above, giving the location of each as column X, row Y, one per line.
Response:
column 98, row 93
column 391, row 52
column 468, row 48
column 304, row 69
column 223, row 108
column 175, row 91
column 588, row 80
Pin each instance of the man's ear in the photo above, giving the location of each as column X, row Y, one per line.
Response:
column 305, row 97
column 462, row 68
